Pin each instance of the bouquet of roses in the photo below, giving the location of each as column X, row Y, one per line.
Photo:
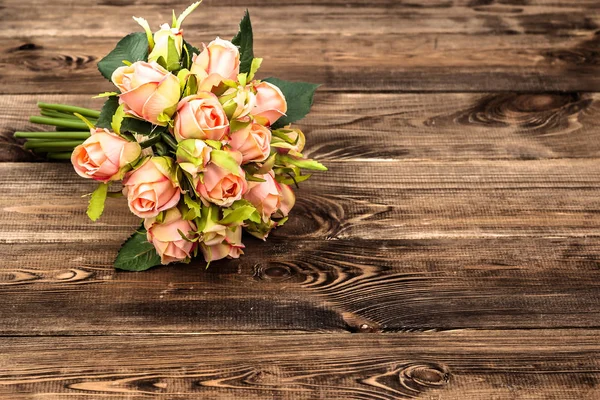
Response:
column 204, row 150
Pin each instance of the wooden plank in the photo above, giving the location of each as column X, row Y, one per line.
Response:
column 474, row 365
column 354, row 200
column 440, row 126
column 373, row 62
column 302, row 285
column 112, row 18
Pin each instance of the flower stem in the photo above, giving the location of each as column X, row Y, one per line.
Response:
column 67, row 144
column 59, row 156
column 66, row 123
column 53, row 135
column 70, row 109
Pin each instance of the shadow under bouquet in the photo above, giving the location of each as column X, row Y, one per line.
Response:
column 202, row 148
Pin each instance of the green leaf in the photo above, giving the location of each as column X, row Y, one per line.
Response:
column 224, row 160
column 195, row 209
column 244, row 41
column 105, row 94
column 256, row 62
column 299, row 98
column 132, row 48
column 188, row 54
column 302, row 163
column 137, row 254
column 185, row 14
column 138, row 126
column 96, row 205
column 84, row 120
column 237, row 216
column 117, row 119
column 144, row 24
column 173, row 55
column 289, row 180
column 106, row 114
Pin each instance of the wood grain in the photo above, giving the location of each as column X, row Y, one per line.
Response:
column 557, row 364
column 425, row 245
column 373, row 62
column 440, row 126
column 306, row 286
column 366, row 200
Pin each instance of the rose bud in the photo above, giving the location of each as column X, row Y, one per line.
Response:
column 200, row 116
column 220, row 246
column 238, row 102
column 288, row 200
column 270, row 102
column 152, row 187
column 218, row 61
column 264, row 196
column 104, row 156
column 166, row 237
column 161, row 43
column 148, row 91
column 193, row 155
column 253, row 141
column 221, row 186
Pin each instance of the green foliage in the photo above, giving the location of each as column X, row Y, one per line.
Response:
column 96, row 205
column 188, row 54
column 132, row 48
column 224, row 160
column 138, row 126
column 106, row 114
column 299, row 97
column 244, row 40
column 137, row 254
column 239, row 212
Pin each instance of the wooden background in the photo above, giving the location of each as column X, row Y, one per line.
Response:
column 451, row 252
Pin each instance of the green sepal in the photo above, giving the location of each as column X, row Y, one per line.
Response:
column 267, row 164
column 117, row 119
column 292, row 180
column 215, row 144
column 256, row 62
column 252, row 178
column 301, row 163
column 236, row 125
column 105, row 94
column 225, row 160
column 188, row 54
column 240, row 211
column 137, row 254
column 173, row 56
column 144, row 24
column 97, row 199
column 177, row 22
column 85, row 120
column 194, row 209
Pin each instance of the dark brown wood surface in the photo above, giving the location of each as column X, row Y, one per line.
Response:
column 451, row 252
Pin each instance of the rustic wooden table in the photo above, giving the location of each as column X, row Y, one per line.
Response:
column 452, row 251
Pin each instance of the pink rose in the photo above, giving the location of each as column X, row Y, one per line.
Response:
column 218, row 61
column 288, row 200
column 147, row 90
column 152, row 188
column 264, row 196
column 220, row 186
column 253, row 141
column 222, row 242
column 200, row 116
column 270, row 102
column 167, row 240
column 104, row 156
column 161, row 42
